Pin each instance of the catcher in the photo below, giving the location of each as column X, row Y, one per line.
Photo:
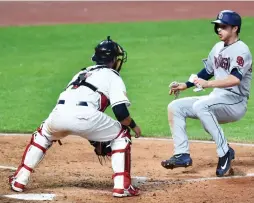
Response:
column 79, row 111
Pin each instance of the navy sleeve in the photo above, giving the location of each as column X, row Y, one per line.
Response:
column 236, row 73
column 121, row 112
column 202, row 74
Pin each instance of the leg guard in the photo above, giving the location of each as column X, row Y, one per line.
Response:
column 121, row 164
column 33, row 154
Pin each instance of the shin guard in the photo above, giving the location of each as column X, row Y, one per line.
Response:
column 33, row 154
column 121, row 164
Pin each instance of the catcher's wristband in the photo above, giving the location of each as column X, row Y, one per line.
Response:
column 132, row 124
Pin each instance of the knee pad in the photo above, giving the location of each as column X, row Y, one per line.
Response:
column 121, row 159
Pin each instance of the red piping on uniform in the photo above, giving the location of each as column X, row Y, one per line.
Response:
column 40, row 147
column 19, row 185
column 128, row 158
column 27, row 168
column 119, row 133
column 118, row 151
column 104, row 102
column 119, row 191
column 24, row 155
column 121, row 150
column 121, row 174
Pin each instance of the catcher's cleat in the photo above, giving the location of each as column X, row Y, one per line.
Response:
column 15, row 186
column 131, row 191
column 179, row 160
column 224, row 162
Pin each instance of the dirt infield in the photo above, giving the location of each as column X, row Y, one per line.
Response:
column 72, row 171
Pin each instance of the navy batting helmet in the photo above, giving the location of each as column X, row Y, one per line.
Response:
column 107, row 51
column 228, row 17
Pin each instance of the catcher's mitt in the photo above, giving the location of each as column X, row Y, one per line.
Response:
column 102, row 150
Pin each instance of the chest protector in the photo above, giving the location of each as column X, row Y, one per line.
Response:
column 81, row 81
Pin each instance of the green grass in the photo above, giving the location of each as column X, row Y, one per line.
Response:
column 37, row 62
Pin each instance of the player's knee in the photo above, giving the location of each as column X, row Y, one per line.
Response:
column 199, row 107
column 196, row 108
column 122, row 140
column 173, row 106
column 173, row 109
column 41, row 140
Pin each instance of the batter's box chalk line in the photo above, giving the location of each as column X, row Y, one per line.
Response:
column 31, row 196
column 197, row 141
column 138, row 180
column 192, row 180
column 8, row 167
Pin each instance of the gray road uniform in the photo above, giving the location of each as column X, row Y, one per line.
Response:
column 222, row 105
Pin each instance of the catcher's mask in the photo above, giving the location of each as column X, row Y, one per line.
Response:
column 108, row 51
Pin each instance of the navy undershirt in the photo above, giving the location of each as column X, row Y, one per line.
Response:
column 206, row 76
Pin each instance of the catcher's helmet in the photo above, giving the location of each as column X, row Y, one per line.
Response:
column 107, row 51
column 228, row 17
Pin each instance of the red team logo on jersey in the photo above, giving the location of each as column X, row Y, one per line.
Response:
column 240, row 61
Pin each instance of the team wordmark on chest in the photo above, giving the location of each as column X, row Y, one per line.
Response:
column 222, row 62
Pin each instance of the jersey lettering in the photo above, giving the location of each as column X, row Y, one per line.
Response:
column 222, row 62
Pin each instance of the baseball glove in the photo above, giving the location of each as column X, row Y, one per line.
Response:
column 102, row 150
column 175, row 92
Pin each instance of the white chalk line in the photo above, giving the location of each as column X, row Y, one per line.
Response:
column 15, row 134
column 32, row 196
column 192, row 180
column 8, row 167
column 153, row 138
column 197, row 141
